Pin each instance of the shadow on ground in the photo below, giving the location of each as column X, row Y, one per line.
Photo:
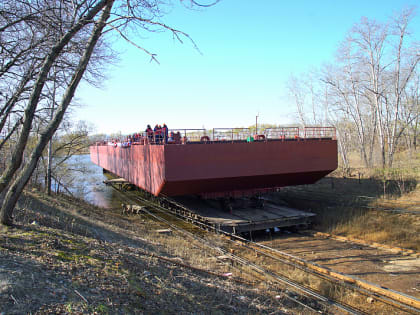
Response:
column 65, row 257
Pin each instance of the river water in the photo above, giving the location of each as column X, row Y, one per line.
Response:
column 88, row 184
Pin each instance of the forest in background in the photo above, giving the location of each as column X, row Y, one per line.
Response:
column 369, row 93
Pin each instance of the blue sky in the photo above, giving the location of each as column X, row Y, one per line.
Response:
column 248, row 51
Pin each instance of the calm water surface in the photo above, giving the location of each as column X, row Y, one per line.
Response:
column 89, row 184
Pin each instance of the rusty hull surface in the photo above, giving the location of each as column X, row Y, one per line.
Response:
column 184, row 169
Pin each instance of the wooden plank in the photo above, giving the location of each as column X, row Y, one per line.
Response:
column 286, row 211
column 115, row 181
column 256, row 214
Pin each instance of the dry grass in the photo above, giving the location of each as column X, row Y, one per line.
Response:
column 102, row 251
column 400, row 230
column 339, row 211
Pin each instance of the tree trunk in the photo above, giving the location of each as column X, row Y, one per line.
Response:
column 48, row 183
column 6, row 110
column 343, row 149
column 24, row 175
column 29, row 112
column 49, row 160
column 11, row 132
column 415, row 133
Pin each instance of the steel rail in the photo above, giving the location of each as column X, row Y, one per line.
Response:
column 349, row 309
column 403, row 251
column 236, row 258
column 351, row 282
column 325, row 273
column 221, row 250
column 388, row 296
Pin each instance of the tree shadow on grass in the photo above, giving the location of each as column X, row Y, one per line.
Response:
column 343, row 200
column 81, row 219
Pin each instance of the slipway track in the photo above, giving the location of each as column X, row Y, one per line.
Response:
column 346, row 292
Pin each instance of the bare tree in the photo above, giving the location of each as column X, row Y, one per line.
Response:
column 370, row 82
column 37, row 88
column 406, row 61
column 413, row 100
column 344, row 86
column 68, row 142
column 63, row 27
column 390, row 61
column 300, row 90
column 368, row 39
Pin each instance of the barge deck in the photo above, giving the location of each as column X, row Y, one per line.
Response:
column 244, row 218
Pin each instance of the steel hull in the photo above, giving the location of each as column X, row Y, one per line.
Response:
column 198, row 168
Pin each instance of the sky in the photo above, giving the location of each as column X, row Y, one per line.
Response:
column 247, row 52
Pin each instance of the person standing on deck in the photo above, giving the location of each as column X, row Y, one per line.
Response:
column 165, row 133
column 157, row 131
column 149, row 133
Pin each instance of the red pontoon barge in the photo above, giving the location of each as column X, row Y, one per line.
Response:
column 222, row 162
column 225, row 162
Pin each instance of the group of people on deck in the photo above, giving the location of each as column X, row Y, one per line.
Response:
column 157, row 135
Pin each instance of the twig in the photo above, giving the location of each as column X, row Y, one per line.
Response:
column 205, row 5
column 13, row 298
column 83, row 298
column 226, row 305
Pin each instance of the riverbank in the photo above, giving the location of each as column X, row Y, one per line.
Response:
column 66, row 256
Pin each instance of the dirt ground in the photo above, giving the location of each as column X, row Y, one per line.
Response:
column 66, row 257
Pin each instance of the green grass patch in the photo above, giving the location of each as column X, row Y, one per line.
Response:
column 101, row 309
column 135, row 286
column 77, row 258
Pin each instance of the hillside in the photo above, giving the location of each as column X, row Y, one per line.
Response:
column 67, row 257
